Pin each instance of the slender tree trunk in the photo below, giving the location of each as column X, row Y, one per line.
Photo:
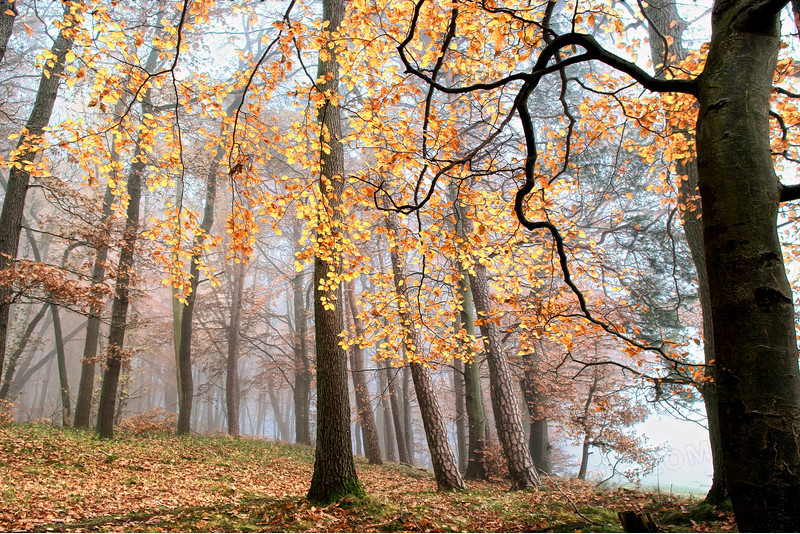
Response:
column 539, row 439
column 184, row 362
column 584, row 458
column 61, row 358
column 232, row 393
column 83, row 405
column 461, row 413
column 408, row 427
column 302, row 363
column 334, row 469
column 13, row 360
column 397, row 414
column 19, row 176
column 363, row 404
column 119, row 307
column 444, row 464
column 389, row 419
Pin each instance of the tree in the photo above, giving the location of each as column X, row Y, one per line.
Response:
column 334, row 470
column 363, row 404
column 758, row 383
column 444, row 463
column 22, row 159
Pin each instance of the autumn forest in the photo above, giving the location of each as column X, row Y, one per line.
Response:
column 368, row 252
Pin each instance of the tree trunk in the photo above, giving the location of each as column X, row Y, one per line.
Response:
column 27, row 150
column 184, row 381
column 476, row 415
column 334, row 470
column 584, row 458
column 504, row 404
column 539, row 439
column 119, row 307
column 397, row 414
column 61, row 358
column 666, row 21
column 83, row 405
column 363, row 405
column 6, row 24
column 758, row 383
column 461, row 412
column 11, row 368
column 232, row 393
column 389, row 419
column 408, row 428
column 302, row 364
column 444, row 464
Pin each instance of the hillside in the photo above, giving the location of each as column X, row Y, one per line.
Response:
column 61, row 480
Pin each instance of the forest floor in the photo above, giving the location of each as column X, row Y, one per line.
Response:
column 55, row 480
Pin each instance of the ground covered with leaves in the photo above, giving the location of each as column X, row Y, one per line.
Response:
column 55, row 480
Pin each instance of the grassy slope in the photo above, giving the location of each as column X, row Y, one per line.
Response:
column 58, row 480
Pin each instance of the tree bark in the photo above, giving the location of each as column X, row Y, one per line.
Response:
column 334, row 470
column 232, row 392
column 363, row 404
column 26, row 152
column 758, row 383
column 6, row 24
column 389, row 419
column 444, row 464
column 504, row 405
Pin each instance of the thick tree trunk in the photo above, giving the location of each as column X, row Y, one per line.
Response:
column 232, row 393
column 758, row 383
column 83, row 405
column 666, row 22
column 363, row 404
column 27, row 150
column 444, row 464
column 334, row 469
column 584, row 458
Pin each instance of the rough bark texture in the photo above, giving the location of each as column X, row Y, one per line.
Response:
column 83, row 405
column 444, row 463
column 334, row 470
column 232, row 395
column 18, row 179
column 667, row 23
column 6, row 24
column 758, row 383
column 363, row 405
column 504, row 402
